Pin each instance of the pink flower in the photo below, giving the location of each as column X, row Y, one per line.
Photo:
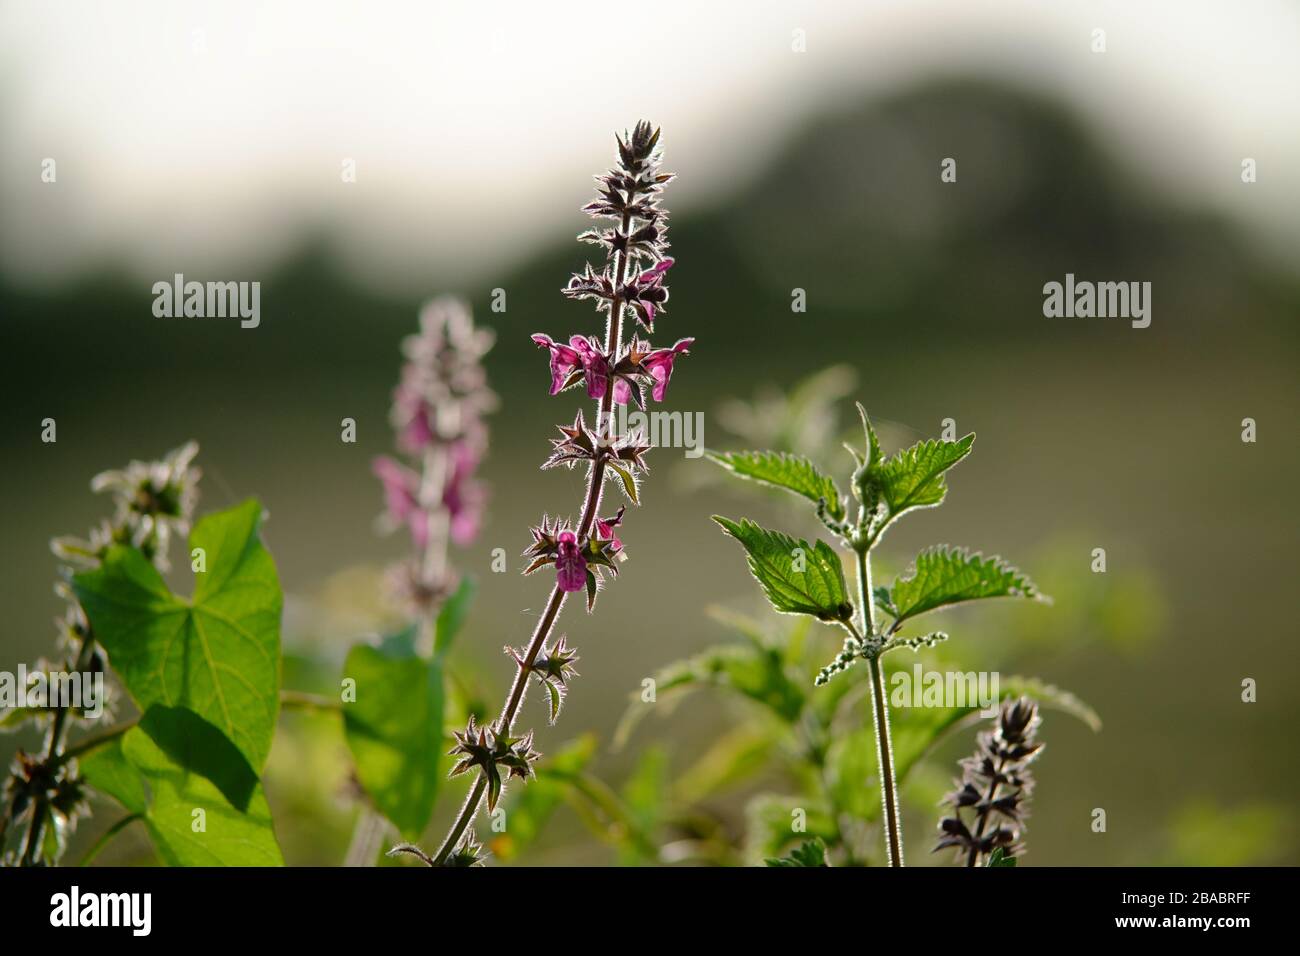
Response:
column 646, row 292
column 570, row 563
column 563, row 361
column 462, row 496
column 595, row 364
column 579, row 353
column 411, row 415
column 605, row 531
column 659, row 364
column 401, row 495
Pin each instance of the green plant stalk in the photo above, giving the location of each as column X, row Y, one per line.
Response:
column 880, row 717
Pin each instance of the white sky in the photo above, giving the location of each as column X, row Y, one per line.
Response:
column 212, row 134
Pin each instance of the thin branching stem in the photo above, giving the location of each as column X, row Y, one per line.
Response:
column 880, row 716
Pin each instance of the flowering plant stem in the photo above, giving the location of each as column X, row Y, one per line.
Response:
column 595, row 488
column 612, row 372
column 880, row 717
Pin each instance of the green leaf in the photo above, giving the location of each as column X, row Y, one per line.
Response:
column 754, row 672
column 914, row 478
column 812, row 853
column 394, row 729
column 452, row 616
column 783, row 470
column 218, row 653
column 941, row 576
column 629, row 483
column 173, row 764
column 999, row 858
column 817, row 590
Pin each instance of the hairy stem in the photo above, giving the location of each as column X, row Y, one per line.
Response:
column 880, row 717
column 595, row 488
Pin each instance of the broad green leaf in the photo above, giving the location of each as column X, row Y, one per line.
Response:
column 941, row 576
column 218, row 653
column 174, row 764
column 782, row 470
column 775, row 560
column 812, row 853
column 452, row 616
column 394, row 729
column 914, row 478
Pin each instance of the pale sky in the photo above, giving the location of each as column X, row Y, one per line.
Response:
column 213, row 134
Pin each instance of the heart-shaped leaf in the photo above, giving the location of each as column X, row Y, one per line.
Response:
column 195, row 792
column 218, row 653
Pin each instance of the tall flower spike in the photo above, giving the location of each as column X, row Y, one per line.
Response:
column 437, row 416
column 628, row 288
column 994, row 788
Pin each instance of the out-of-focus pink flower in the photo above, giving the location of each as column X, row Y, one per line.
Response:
column 659, row 364
column 569, row 563
column 411, row 416
column 402, row 497
column 463, row 497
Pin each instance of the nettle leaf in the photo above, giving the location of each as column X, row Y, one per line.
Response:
column 217, row 653
column 914, row 478
column 812, row 853
column 452, row 616
column 818, row 589
column 942, row 576
column 783, row 470
column 174, row 764
column 394, row 729
column 999, row 858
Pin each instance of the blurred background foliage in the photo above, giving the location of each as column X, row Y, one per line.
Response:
column 924, row 302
